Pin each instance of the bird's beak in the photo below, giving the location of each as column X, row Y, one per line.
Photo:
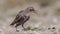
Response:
column 35, row 12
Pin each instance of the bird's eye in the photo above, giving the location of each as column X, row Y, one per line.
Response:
column 31, row 10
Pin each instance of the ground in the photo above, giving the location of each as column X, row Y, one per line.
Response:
column 45, row 22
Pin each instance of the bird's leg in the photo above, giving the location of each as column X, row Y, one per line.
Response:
column 16, row 27
column 23, row 26
column 26, row 19
column 17, row 30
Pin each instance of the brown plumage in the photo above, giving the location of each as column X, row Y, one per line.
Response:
column 22, row 17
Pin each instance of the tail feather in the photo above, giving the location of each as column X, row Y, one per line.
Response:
column 12, row 23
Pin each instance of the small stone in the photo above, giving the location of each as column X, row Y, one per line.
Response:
column 49, row 28
column 53, row 28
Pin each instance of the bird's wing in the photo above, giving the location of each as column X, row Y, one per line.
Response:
column 18, row 16
column 27, row 18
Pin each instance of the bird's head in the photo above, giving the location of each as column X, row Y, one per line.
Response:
column 31, row 9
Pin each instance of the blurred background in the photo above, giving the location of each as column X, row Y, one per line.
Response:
column 48, row 16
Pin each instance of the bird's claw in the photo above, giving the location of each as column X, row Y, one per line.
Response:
column 17, row 30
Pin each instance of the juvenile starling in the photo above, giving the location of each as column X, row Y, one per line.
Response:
column 23, row 16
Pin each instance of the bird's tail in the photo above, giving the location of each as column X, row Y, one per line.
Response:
column 12, row 23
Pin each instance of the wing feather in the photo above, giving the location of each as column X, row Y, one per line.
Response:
column 18, row 17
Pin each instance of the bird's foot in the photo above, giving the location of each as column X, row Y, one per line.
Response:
column 17, row 30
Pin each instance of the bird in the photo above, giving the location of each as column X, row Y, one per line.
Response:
column 22, row 17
